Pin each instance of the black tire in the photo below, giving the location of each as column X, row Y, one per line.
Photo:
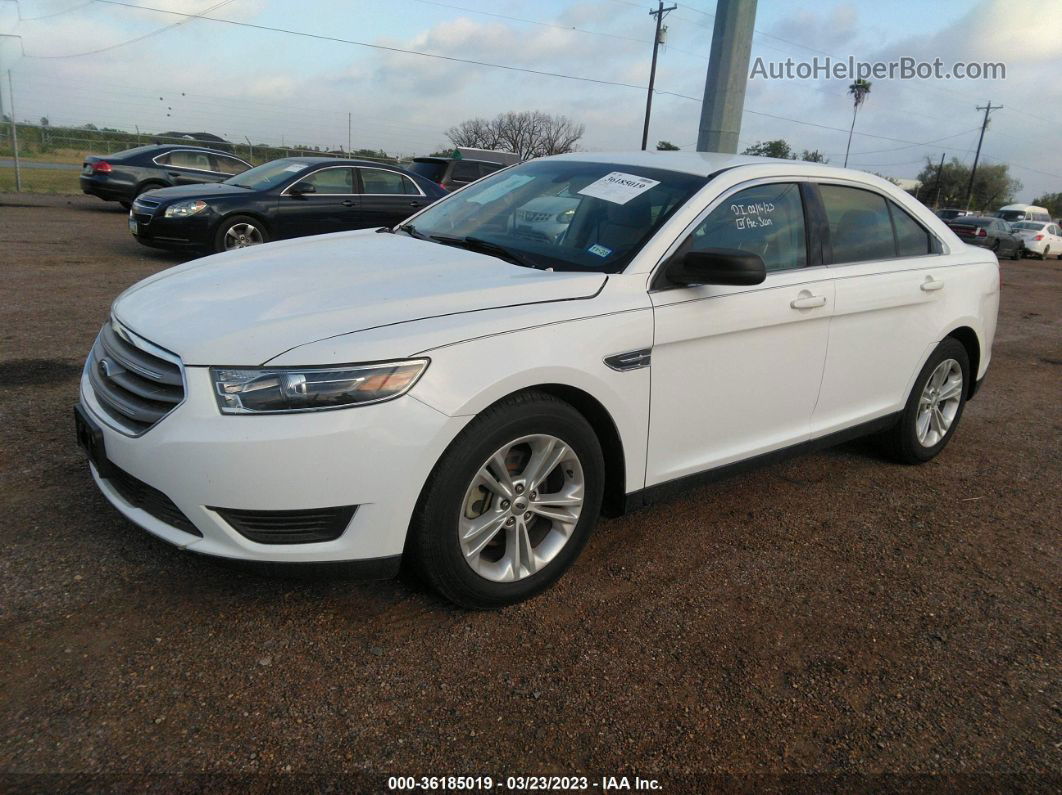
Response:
column 902, row 440
column 236, row 220
column 434, row 548
column 1046, row 254
column 1017, row 253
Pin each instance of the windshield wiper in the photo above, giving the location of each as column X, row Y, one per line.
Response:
column 411, row 230
column 486, row 247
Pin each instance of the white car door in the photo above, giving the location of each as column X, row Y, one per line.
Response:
column 736, row 370
column 890, row 288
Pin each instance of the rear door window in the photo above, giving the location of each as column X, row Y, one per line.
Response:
column 386, row 183
column 183, row 158
column 228, row 165
column 860, row 226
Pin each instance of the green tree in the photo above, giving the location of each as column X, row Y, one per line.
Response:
column 777, row 148
column 859, row 91
column 1052, row 202
column 666, row 146
column 946, row 187
column 814, row 156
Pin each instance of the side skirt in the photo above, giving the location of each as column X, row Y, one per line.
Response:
column 647, row 496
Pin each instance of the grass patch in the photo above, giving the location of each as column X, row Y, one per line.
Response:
column 41, row 180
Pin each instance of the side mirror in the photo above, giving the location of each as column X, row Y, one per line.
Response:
column 716, row 266
column 302, row 188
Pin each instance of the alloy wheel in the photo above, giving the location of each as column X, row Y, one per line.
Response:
column 939, row 403
column 242, row 235
column 521, row 508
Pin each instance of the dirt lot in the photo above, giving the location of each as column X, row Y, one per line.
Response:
column 838, row 614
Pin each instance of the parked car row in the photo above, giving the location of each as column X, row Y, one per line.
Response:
column 188, row 197
column 1011, row 231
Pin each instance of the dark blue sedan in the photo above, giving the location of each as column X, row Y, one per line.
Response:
column 292, row 197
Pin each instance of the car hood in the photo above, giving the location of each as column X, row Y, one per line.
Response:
column 247, row 306
column 208, row 190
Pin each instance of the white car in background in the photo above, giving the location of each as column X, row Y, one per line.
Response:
column 1040, row 239
column 468, row 399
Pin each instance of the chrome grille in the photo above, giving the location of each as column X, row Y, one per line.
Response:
column 135, row 387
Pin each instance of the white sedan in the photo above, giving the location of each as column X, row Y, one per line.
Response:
column 468, row 398
column 1039, row 238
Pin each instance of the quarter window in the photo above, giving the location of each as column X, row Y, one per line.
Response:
column 767, row 220
column 331, row 181
column 912, row 239
column 378, row 181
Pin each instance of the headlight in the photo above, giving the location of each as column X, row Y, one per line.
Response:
column 185, row 208
column 282, row 389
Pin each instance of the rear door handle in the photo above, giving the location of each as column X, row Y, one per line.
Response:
column 414, row 204
column 931, row 284
column 808, row 301
column 347, row 203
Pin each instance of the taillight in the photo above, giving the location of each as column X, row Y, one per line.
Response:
column 981, row 232
column 442, row 186
column 1038, row 237
column 101, row 167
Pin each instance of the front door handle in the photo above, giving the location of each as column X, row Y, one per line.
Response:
column 414, row 204
column 808, row 301
column 347, row 203
column 931, row 284
column 174, row 174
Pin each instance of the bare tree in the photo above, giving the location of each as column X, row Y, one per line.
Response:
column 528, row 133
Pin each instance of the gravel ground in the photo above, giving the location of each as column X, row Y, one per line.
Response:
column 837, row 615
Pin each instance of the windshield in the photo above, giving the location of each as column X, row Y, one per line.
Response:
column 1029, row 225
column 562, row 214
column 268, row 175
column 1011, row 215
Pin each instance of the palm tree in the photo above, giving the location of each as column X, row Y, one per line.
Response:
column 859, row 90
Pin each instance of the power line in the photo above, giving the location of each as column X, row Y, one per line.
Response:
column 138, row 38
column 53, row 14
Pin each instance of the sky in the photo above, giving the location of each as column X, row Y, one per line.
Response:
column 128, row 65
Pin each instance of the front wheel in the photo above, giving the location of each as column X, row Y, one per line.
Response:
column 510, row 504
column 240, row 231
column 934, row 406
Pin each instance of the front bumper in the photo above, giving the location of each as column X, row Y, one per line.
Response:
column 376, row 457
column 194, row 232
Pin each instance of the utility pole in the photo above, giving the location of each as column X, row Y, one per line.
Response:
column 728, row 75
column 348, row 134
column 940, row 181
column 14, row 133
column 660, row 13
column 973, row 171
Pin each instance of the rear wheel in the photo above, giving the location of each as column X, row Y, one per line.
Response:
column 511, row 503
column 1046, row 254
column 240, row 231
column 934, row 406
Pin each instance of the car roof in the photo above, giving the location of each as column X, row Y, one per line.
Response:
column 705, row 164
column 431, row 159
column 341, row 161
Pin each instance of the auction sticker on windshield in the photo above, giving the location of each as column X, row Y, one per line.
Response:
column 618, row 188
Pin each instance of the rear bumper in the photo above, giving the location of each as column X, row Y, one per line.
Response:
column 96, row 186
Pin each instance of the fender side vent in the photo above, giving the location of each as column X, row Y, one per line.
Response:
column 309, row 526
